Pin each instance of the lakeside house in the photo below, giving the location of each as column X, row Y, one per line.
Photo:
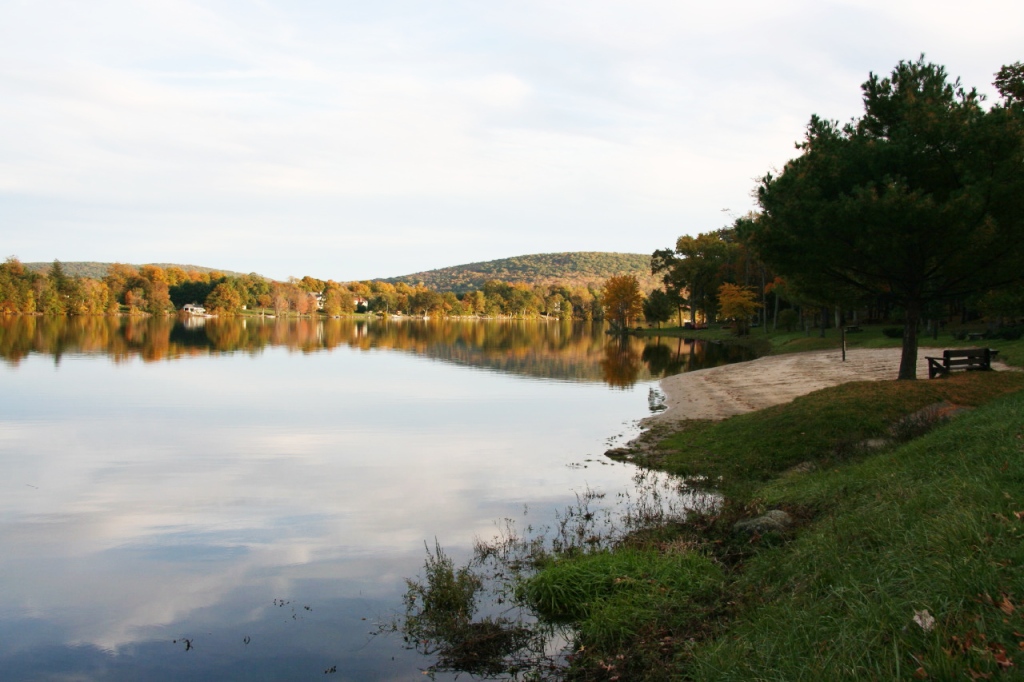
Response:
column 193, row 309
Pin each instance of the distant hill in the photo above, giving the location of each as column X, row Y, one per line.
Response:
column 99, row 270
column 576, row 268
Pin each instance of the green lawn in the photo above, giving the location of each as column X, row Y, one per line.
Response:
column 931, row 528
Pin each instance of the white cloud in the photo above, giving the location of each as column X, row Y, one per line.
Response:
column 485, row 130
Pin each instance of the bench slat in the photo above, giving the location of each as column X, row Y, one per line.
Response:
column 961, row 358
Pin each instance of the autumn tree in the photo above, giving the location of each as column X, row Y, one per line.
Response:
column 738, row 304
column 425, row 302
column 920, row 200
column 311, row 284
column 16, row 288
column 338, row 300
column 622, row 300
column 383, row 297
column 119, row 278
column 522, row 301
column 254, row 289
column 175, row 275
column 159, row 297
column 223, row 300
column 476, row 302
column 696, row 268
column 279, row 297
column 135, row 299
column 565, row 311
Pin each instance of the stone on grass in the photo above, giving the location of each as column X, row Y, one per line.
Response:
column 776, row 520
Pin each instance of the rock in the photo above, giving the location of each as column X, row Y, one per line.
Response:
column 801, row 468
column 776, row 520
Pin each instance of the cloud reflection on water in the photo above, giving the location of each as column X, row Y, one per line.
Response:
column 173, row 495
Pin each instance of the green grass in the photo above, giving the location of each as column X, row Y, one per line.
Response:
column 824, row 427
column 935, row 524
column 627, row 600
column 582, row 586
column 932, row 526
column 780, row 342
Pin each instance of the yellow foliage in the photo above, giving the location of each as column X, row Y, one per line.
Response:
column 622, row 300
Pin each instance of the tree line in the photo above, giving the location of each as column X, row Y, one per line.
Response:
column 912, row 212
column 154, row 290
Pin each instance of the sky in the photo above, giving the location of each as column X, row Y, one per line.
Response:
column 356, row 140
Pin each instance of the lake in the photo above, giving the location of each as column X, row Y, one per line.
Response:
column 243, row 499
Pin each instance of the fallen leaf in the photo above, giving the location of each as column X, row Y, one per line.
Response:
column 921, row 674
column 1006, row 606
column 924, row 619
column 999, row 653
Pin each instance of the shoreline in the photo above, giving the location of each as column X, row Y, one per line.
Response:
column 720, row 392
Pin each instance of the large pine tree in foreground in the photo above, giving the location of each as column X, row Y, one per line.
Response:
column 921, row 199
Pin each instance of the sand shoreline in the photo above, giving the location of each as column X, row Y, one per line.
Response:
column 721, row 392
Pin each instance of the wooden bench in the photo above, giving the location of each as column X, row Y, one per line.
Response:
column 853, row 329
column 961, row 358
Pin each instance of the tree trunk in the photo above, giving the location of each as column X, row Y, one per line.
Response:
column 824, row 321
column 908, row 360
column 764, row 302
column 841, row 323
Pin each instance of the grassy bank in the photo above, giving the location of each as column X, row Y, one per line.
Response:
column 900, row 554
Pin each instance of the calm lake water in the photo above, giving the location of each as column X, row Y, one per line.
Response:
column 244, row 499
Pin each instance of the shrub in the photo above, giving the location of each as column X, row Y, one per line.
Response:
column 893, row 332
column 1010, row 333
column 789, row 319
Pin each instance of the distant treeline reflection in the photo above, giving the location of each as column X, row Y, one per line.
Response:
column 553, row 350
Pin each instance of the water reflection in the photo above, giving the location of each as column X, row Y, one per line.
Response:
column 145, row 503
column 548, row 350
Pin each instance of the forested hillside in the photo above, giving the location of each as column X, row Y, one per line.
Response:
column 563, row 285
column 577, row 268
column 95, row 270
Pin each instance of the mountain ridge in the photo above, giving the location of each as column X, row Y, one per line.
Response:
column 570, row 268
column 579, row 268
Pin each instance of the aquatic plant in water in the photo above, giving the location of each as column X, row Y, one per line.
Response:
column 487, row 618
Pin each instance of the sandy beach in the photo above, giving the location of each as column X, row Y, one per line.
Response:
column 729, row 390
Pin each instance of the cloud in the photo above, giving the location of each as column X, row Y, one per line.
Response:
column 483, row 130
